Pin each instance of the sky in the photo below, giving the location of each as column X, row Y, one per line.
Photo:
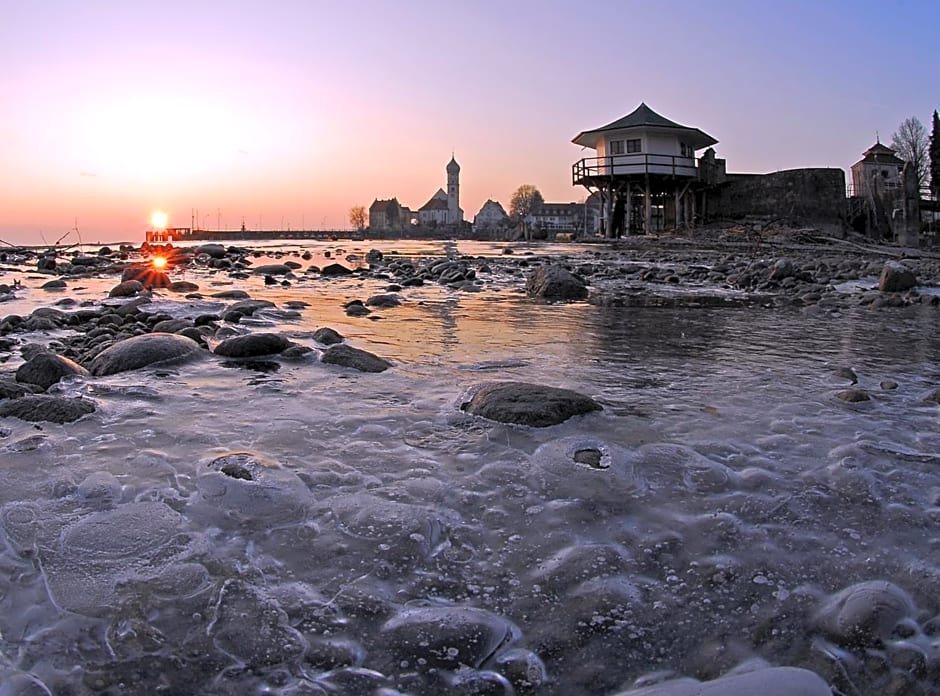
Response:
column 286, row 113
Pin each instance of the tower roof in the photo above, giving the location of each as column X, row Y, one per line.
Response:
column 881, row 154
column 452, row 166
column 645, row 117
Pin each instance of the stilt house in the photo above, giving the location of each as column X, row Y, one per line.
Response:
column 648, row 162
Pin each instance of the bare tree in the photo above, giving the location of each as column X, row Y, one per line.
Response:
column 910, row 142
column 526, row 200
column 935, row 156
column 357, row 217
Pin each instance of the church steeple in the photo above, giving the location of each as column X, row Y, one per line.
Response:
column 454, row 214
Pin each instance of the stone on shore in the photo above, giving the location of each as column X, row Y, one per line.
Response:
column 148, row 276
column 11, row 389
column 45, row 369
column 864, row 614
column 141, row 351
column 37, row 408
column 347, row 356
column 216, row 251
column 335, row 269
column 272, row 269
column 252, row 345
column 327, row 336
column 896, row 277
column 128, row 288
column 521, row 403
column 769, row 681
column 555, row 282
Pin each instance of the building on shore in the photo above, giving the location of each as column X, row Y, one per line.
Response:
column 644, row 170
column 442, row 209
column 491, row 216
column 389, row 214
column 648, row 178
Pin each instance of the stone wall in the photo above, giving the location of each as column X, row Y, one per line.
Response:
column 803, row 196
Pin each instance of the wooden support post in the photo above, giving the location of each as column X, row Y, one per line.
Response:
column 647, row 207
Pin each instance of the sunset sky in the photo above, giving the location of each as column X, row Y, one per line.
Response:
column 288, row 112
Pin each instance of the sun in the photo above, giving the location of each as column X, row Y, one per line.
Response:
column 158, row 220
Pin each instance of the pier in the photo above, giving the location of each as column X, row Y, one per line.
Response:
column 186, row 234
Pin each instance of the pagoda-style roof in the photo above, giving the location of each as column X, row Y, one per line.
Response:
column 644, row 117
column 880, row 154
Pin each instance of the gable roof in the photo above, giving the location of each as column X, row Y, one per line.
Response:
column 434, row 204
column 644, row 117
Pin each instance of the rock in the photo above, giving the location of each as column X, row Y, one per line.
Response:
column 864, row 614
column 172, row 325
column 231, row 295
column 555, row 282
column 347, row 356
column 769, row 681
column 383, row 301
column 252, row 345
column 216, row 251
column 783, row 268
column 896, row 277
column 272, row 269
column 141, row 351
column 37, row 408
column 45, row 369
column 335, row 269
column 11, row 389
column 528, row 404
column 327, row 336
column 249, row 307
column 148, row 276
column 57, row 284
column 128, row 288
column 846, row 373
column 853, row 396
column 357, row 309
column 183, row 286
column 446, row 636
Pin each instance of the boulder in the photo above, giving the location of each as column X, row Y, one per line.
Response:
column 249, row 307
column 272, row 269
column 216, row 251
column 528, row 404
column 554, row 282
column 446, row 636
column 252, row 345
column 11, row 389
column 327, row 336
column 37, row 408
column 128, row 288
column 335, row 269
column 896, row 277
column 383, row 301
column 768, row 681
column 347, row 356
column 864, row 614
column 141, row 351
column 148, row 276
column 45, row 369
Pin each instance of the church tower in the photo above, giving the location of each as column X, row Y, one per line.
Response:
column 454, row 213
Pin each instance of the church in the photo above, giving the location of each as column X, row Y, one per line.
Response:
column 443, row 208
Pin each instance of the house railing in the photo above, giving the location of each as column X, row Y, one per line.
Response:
column 626, row 165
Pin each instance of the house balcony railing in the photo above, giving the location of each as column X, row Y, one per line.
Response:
column 629, row 165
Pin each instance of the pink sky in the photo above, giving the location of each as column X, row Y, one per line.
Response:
column 289, row 112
